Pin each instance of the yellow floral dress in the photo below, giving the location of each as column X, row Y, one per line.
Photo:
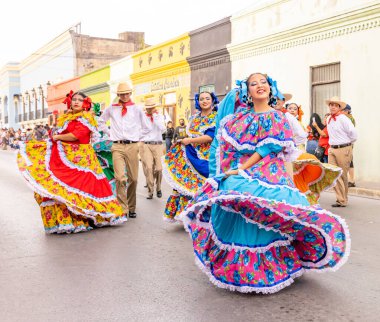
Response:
column 68, row 181
column 185, row 168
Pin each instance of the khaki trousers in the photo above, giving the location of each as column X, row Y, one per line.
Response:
column 141, row 154
column 342, row 158
column 152, row 162
column 126, row 166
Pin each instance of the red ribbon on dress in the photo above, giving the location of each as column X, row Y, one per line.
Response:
column 68, row 99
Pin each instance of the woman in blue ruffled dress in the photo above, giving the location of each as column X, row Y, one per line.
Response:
column 185, row 165
column 252, row 230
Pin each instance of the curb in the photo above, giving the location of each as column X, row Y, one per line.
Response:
column 361, row 192
column 364, row 192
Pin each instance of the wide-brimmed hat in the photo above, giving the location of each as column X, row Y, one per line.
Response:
column 287, row 96
column 123, row 88
column 348, row 108
column 150, row 102
column 336, row 99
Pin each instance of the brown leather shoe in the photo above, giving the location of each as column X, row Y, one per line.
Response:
column 336, row 205
column 132, row 214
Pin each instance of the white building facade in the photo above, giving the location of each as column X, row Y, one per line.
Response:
column 317, row 49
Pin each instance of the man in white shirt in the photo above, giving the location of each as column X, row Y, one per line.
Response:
column 152, row 129
column 342, row 134
column 126, row 123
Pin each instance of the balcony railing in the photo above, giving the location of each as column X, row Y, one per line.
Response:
column 20, row 117
column 6, row 119
column 38, row 114
column 31, row 116
column 25, row 118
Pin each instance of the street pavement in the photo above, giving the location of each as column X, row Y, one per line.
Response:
column 144, row 270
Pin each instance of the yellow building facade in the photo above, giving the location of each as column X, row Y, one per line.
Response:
column 162, row 71
column 96, row 85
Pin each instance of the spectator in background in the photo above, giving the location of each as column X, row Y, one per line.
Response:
column 29, row 134
column 313, row 134
column 351, row 172
column 23, row 135
column 4, row 139
column 180, row 131
column 323, row 141
column 18, row 134
column 169, row 134
column 39, row 133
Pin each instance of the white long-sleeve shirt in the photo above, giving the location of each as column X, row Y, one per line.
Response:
column 341, row 131
column 152, row 131
column 299, row 134
column 127, row 127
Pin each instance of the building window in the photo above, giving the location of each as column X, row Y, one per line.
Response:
column 325, row 83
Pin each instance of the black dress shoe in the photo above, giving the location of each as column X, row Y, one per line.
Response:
column 149, row 197
column 159, row 194
column 132, row 214
column 146, row 186
column 351, row 185
column 336, row 205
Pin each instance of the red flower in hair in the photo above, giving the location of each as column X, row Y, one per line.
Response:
column 68, row 99
column 87, row 103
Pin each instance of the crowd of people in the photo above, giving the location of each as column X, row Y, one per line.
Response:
column 11, row 138
column 245, row 172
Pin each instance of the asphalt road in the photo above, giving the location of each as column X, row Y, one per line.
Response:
column 145, row 271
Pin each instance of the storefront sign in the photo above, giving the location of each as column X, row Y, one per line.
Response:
column 168, row 83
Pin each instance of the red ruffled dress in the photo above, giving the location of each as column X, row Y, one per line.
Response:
column 69, row 184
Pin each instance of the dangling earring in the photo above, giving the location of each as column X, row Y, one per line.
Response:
column 272, row 100
column 249, row 101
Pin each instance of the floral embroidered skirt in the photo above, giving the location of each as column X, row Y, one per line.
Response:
column 183, row 176
column 70, row 187
column 104, row 154
column 255, row 232
column 312, row 177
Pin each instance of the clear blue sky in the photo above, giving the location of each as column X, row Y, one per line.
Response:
column 28, row 25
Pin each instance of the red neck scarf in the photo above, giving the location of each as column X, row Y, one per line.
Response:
column 150, row 115
column 334, row 116
column 124, row 108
